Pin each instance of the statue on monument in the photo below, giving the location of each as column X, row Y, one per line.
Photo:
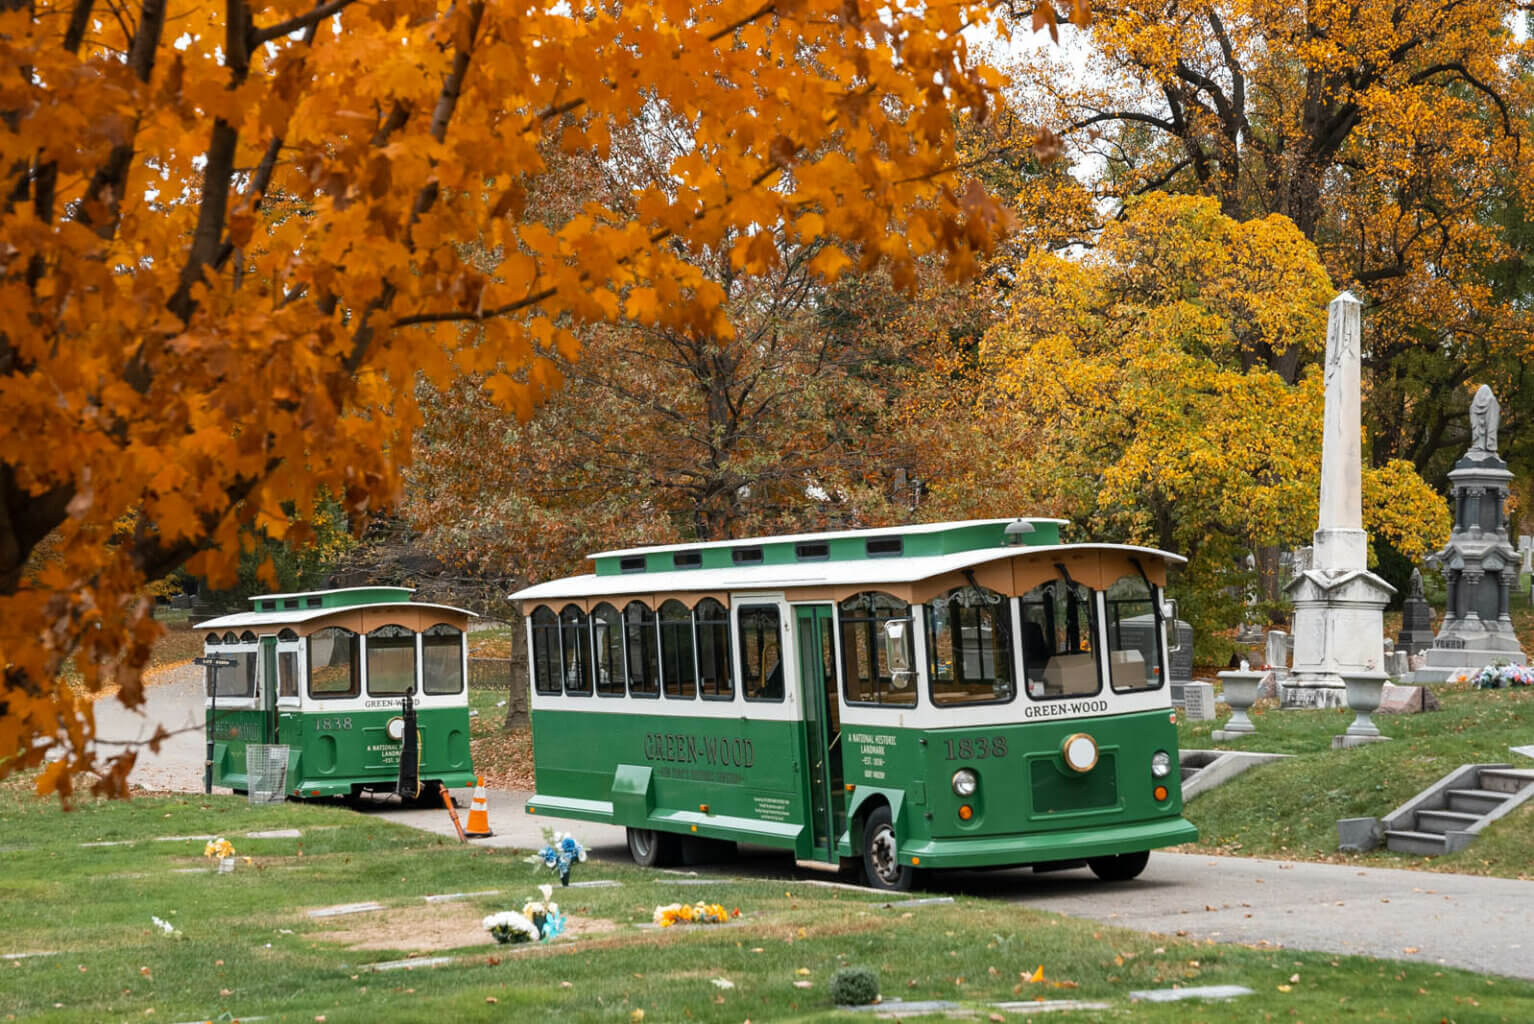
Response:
column 1485, row 412
column 1415, row 592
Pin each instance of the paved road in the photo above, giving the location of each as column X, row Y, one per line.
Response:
column 1486, row 924
column 175, row 700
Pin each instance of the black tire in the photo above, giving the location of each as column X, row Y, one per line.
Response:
column 1119, row 867
column 881, row 865
column 652, row 849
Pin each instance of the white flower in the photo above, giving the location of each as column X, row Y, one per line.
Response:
column 723, row 983
column 548, row 892
column 508, row 925
column 164, row 926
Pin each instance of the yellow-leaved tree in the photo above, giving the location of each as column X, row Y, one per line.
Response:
column 233, row 234
column 1120, row 391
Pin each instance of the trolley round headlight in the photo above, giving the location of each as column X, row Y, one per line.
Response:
column 1161, row 764
column 396, row 729
column 1080, row 752
column 964, row 782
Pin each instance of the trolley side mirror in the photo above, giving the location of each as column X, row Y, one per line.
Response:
column 897, row 647
column 1169, row 618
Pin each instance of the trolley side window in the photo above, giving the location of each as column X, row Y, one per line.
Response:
column 715, row 679
column 679, row 674
column 1057, row 632
column 607, row 649
column 546, row 651
column 335, row 665
column 238, row 680
column 391, row 661
column 867, row 673
column 640, row 643
column 287, row 664
column 442, row 660
column 575, row 651
column 969, row 647
column 761, row 653
column 1134, row 659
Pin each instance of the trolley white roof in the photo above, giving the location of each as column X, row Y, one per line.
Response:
column 874, row 572
column 239, row 620
column 794, row 538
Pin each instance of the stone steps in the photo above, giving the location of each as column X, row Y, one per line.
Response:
column 1448, row 815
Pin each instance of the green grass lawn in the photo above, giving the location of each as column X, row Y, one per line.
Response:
column 1290, row 808
column 244, row 945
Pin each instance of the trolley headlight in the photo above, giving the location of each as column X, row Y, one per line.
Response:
column 1080, row 752
column 964, row 782
column 1161, row 764
column 396, row 729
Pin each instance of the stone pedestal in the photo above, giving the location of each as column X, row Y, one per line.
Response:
column 1479, row 564
column 1240, row 692
column 1338, row 628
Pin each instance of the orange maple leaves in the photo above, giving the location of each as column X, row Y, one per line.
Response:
column 234, row 235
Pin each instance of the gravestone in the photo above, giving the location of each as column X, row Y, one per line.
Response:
column 1479, row 564
column 1416, row 633
column 1338, row 603
column 1396, row 700
column 1198, row 701
column 1278, row 654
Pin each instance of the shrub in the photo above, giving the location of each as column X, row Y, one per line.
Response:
column 854, row 986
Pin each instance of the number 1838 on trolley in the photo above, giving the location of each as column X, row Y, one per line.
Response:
column 953, row 695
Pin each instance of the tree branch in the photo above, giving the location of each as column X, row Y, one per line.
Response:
column 309, row 19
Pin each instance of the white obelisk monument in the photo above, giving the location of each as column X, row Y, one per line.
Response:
column 1338, row 603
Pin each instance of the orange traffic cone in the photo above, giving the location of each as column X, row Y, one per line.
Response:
column 479, row 815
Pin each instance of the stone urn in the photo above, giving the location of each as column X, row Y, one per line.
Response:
column 1364, row 691
column 1240, row 692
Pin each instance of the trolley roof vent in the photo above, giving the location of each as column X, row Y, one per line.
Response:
column 746, row 556
column 687, row 560
column 633, row 564
column 885, row 547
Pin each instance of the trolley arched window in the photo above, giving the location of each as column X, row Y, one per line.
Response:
column 607, row 650
column 546, row 677
column 1059, row 623
column 678, row 672
column 239, row 679
column 639, row 642
column 213, row 638
column 761, row 653
column 969, row 647
column 287, row 664
column 391, row 661
column 335, row 664
column 575, row 650
column 870, row 678
column 1134, row 624
column 247, row 637
column 715, row 680
column 442, row 660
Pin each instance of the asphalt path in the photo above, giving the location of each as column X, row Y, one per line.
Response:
column 1484, row 924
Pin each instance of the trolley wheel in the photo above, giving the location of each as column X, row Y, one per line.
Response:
column 1119, row 867
column 881, row 865
column 652, row 849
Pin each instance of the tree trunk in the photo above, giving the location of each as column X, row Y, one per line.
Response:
column 517, row 716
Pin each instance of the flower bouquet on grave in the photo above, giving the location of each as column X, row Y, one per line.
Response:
column 560, row 850
column 695, row 913
column 544, row 914
column 221, row 851
column 1502, row 676
column 510, row 927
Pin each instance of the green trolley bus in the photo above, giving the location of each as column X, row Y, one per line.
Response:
column 366, row 690
column 953, row 695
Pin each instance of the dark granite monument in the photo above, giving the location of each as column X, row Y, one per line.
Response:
column 1416, row 633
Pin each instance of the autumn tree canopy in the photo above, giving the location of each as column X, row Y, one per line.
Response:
column 1115, row 393
column 1393, row 133
column 233, row 235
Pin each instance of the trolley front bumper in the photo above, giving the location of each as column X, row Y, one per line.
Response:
column 1038, row 848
